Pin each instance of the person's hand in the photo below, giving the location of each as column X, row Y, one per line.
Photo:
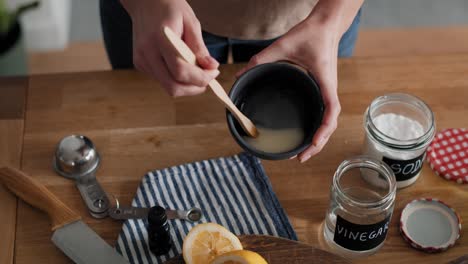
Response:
column 152, row 54
column 312, row 45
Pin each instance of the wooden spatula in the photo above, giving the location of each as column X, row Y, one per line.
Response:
column 185, row 53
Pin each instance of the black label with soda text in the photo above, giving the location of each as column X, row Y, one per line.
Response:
column 405, row 169
column 360, row 237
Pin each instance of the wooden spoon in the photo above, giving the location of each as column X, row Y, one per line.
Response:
column 185, row 53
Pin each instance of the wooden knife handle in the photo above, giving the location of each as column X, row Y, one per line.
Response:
column 34, row 193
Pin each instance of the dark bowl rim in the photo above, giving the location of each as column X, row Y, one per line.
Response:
column 262, row 154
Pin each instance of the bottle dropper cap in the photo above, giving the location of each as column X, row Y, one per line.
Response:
column 157, row 216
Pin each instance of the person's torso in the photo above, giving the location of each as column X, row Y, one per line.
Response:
column 250, row 19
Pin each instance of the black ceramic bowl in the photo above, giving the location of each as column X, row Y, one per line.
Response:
column 277, row 96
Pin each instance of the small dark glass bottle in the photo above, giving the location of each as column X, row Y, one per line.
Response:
column 160, row 241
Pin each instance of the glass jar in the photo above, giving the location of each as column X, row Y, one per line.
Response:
column 359, row 214
column 399, row 128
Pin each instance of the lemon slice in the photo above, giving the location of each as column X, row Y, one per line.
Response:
column 239, row 257
column 204, row 242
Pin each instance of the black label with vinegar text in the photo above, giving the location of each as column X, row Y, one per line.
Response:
column 360, row 237
column 405, row 169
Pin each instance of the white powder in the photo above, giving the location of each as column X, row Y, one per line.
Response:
column 398, row 126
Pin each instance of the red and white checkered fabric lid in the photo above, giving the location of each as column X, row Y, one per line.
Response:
column 448, row 154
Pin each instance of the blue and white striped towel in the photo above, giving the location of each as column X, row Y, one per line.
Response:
column 234, row 192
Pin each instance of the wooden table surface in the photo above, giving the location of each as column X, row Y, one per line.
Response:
column 136, row 128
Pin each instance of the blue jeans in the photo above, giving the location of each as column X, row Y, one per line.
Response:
column 117, row 31
column 243, row 50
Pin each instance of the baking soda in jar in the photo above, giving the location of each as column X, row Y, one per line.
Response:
column 399, row 128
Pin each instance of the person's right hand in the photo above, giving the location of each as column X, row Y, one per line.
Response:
column 152, row 53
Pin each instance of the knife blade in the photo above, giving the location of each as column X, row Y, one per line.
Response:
column 71, row 235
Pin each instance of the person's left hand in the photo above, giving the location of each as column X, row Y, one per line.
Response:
column 312, row 45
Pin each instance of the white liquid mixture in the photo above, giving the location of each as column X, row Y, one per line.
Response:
column 276, row 140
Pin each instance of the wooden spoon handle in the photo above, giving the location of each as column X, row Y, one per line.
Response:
column 244, row 121
column 34, row 193
column 186, row 53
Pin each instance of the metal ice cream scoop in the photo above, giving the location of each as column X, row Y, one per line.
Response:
column 76, row 158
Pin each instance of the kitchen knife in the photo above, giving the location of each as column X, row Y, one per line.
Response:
column 79, row 242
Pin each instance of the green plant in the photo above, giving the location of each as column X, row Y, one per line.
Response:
column 7, row 18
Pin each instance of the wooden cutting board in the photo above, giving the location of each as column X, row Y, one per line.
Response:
column 282, row 251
